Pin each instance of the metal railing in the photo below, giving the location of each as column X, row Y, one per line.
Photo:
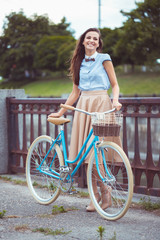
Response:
column 27, row 119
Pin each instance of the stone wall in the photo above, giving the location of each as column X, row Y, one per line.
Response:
column 4, row 93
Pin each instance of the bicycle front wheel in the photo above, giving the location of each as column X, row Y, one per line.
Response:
column 42, row 171
column 115, row 185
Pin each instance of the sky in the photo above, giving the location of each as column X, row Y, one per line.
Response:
column 81, row 14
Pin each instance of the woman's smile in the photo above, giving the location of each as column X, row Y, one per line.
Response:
column 91, row 42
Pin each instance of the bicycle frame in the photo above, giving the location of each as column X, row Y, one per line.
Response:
column 61, row 139
column 66, row 160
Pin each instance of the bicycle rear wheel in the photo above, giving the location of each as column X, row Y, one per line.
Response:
column 117, row 186
column 43, row 178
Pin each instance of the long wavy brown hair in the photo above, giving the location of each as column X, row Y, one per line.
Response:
column 79, row 54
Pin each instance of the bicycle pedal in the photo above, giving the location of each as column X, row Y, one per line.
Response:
column 73, row 191
column 65, row 169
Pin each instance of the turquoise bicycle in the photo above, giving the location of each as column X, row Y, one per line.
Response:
column 49, row 171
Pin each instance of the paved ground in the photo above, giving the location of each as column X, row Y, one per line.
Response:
column 24, row 215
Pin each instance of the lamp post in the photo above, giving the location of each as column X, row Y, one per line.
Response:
column 99, row 13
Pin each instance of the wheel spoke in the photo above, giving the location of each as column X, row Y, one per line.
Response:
column 116, row 192
column 40, row 174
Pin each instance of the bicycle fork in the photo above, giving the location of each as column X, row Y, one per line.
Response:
column 100, row 156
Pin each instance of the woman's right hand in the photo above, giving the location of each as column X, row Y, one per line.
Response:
column 117, row 105
column 54, row 115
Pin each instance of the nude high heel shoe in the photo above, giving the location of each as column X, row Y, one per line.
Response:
column 91, row 207
column 106, row 197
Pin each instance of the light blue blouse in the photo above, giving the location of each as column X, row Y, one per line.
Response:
column 93, row 76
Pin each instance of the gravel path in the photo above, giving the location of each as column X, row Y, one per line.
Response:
column 23, row 215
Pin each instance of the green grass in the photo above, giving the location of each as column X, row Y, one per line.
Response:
column 130, row 84
column 148, row 205
column 48, row 88
column 15, row 181
column 140, row 83
column 49, row 231
column 83, row 194
column 2, row 213
column 101, row 231
column 58, row 84
column 57, row 210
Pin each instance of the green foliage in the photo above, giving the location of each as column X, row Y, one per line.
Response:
column 6, row 178
column 83, row 194
column 19, row 41
column 101, row 231
column 110, row 38
column 35, row 184
column 15, row 181
column 138, row 40
column 2, row 213
column 57, row 210
column 64, row 54
column 19, row 182
column 61, row 29
column 52, row 187
column 51, row 52
column 141, row 33
column 148, row 205
column 48, row 231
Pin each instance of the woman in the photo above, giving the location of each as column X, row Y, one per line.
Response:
column 92, row 73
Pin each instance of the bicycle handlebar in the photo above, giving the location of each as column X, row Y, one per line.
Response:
column 83, row 111
column 67, row 107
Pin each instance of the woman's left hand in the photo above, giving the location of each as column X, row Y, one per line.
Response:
column 117, row 105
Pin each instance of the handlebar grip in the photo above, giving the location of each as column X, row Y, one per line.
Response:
column 67, row 107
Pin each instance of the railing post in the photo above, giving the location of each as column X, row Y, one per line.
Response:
column 125, row 147
column 9, row 134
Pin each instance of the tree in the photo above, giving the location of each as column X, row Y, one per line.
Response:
column 19, row 41
column 140, row 36
column 61, row 29
column 126, row 47
column 47, row 50
column 110, row 38
column 64, row 55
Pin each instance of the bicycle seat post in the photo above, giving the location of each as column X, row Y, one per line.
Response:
column 61, row 127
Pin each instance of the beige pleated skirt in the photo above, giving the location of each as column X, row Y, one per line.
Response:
column 91, row 101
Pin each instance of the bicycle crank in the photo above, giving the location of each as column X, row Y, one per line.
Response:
column 65, row 180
